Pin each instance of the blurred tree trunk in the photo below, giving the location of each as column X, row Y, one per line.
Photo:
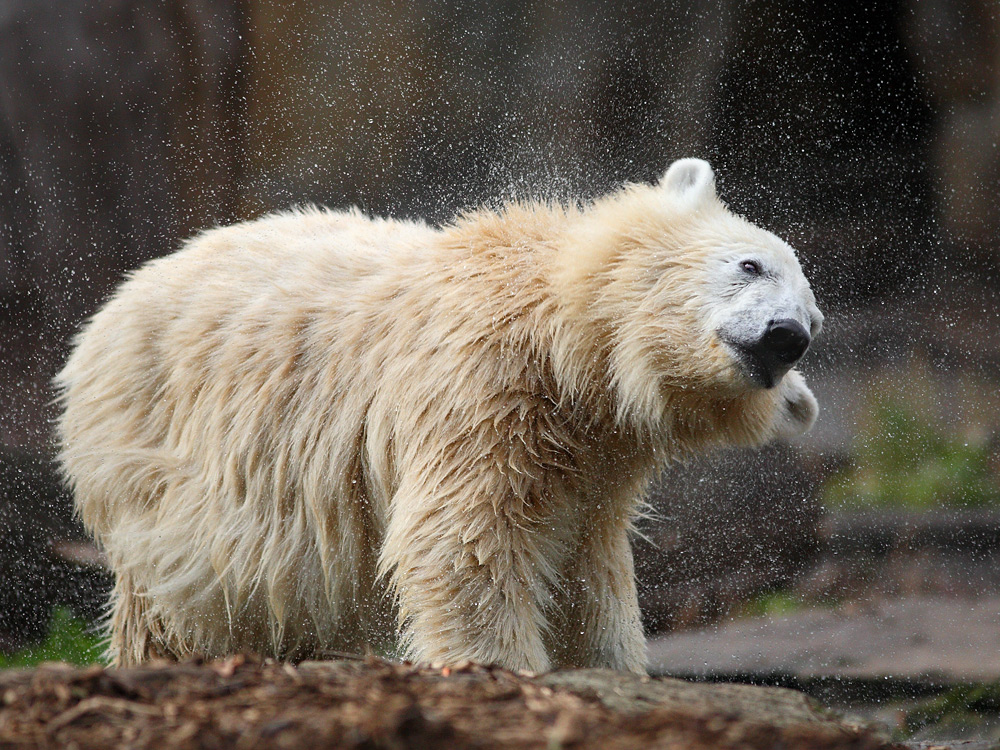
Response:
column 956, row 48
column 425, row 108
column 120, row 133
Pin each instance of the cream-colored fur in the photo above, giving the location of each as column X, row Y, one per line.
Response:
column 317, row 430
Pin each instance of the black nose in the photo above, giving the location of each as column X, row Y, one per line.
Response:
column 783, row 343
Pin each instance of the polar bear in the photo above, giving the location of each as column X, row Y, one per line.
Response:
column 317, row 432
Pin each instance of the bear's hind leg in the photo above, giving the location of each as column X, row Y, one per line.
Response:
column 136, row 634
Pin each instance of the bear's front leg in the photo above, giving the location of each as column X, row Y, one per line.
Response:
column 600, row 620
column 797, row 407
column 468, row 564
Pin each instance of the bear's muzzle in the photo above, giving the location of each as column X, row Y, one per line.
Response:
column 783, row 343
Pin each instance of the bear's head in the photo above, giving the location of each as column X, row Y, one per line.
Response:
column 697, row 301
column 748, row 292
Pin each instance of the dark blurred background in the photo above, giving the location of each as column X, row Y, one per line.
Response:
column 864, row 133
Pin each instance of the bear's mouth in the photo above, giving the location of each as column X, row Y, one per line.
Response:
column 757, row 371
column 760, row 373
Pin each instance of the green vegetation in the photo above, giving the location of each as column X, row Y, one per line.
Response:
column 955, row 712
column 70, row 640
column 776, row 603
column 908, row 456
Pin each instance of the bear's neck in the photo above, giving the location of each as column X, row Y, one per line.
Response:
column 561, row 319
column 586, row 336
column 598, row 359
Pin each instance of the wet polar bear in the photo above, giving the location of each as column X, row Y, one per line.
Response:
column 318, row 431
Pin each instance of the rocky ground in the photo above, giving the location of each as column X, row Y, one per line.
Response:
column 898, row 623
column 240, row 703
column 927, row 668
column 932, row 639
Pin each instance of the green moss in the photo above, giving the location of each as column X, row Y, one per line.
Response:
column 773, row 604
column 781, row 603
column 69, row 639
column 960, row 708
column 905, row 457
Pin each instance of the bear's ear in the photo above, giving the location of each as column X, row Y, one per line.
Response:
column 689, row 180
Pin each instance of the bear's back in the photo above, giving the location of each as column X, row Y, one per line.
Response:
column 217, row 345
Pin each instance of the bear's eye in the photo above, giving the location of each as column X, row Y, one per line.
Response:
column 752, row 267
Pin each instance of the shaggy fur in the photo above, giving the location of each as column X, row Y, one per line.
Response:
column 319, row 431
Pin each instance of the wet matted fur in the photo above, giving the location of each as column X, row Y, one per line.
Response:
column 318, row 430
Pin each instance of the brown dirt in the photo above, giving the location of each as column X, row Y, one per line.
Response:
column 240, row 703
